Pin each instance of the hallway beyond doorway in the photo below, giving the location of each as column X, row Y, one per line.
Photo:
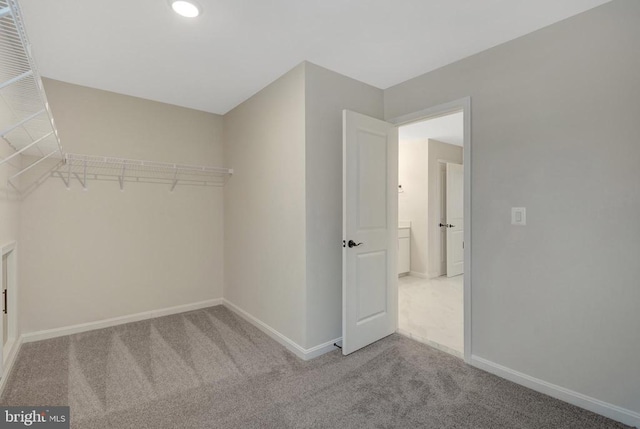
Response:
column 431, row 312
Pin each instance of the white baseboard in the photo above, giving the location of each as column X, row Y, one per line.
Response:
column 8, row 364
column 418, row 275
column 292, row 346
column 611, row 411
column 298, row 350
column 99, row 324
column 435, row 274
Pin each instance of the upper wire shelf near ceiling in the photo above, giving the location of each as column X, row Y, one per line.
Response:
column 88, row 167
column 26, row 122
column 27, row 125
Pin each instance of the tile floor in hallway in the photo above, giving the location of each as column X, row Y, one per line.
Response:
column 431, row 311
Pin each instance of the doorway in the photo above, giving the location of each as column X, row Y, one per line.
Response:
column 430, row 209
column 433, row 204
column 371, row 235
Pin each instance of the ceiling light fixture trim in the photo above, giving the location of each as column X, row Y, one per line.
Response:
column 188, row 9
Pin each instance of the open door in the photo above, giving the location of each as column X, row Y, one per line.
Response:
column 455, row 219
column 370, row 231
column 4, row 278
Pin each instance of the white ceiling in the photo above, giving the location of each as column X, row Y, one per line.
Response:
column 236, row 47
column 447, row 129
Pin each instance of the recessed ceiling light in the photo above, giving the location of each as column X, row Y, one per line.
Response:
column 185, row 8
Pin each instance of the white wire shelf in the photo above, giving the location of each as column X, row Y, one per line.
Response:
column 88, row 167
column 27, row 125
column 26, row 122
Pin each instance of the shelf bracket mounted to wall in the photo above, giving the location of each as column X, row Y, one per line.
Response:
column 175, row 180
column 121, row 178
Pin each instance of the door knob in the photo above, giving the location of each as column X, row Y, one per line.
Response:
column 352, row 243
column 448, row 225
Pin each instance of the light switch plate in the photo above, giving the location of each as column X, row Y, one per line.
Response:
column 518, row 216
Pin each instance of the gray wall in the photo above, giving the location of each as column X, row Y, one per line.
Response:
column 264, row 206
column 91, row 255
column 327, row 94
column 555, row 129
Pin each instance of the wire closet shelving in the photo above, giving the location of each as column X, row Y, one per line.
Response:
column 86, row 167
column 28, row 127
column 26, row 122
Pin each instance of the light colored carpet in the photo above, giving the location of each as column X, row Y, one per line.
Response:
column 210, row 369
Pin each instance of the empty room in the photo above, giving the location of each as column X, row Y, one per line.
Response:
column 285, row 214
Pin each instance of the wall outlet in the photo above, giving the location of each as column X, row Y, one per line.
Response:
column 518, row 216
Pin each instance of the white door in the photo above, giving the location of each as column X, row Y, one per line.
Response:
column 3, row 320
column 370, row 230
column 455, row 219
column 442, row 201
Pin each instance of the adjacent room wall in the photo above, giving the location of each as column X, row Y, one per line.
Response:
column 413, row 201
column 91, row 255
column 554, row 129
column 438, row 151
column 264, row 206
column 327, row 95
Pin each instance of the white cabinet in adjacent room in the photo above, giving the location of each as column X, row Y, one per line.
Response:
column 404, row 250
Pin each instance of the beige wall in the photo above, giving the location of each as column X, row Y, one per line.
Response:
column 327, row 94
column 438, row 151
column 554, row 129
column 95, row 122
column 9, row 207
column 264, row 206
column 419, row 203
column 283, row 207
column 413, row 201
column 9, row 199
column 102, row 253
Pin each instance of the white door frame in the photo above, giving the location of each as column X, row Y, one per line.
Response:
column 463, row 104
column 442, row 191
column 10, row 249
